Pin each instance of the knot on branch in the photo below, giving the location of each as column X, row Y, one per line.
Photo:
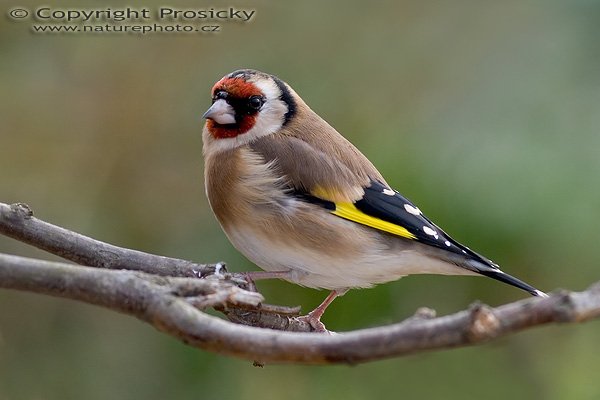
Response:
column 422, row 313
column 21, row 210
column 483, row 324
column 564, row 307
column 577, row 307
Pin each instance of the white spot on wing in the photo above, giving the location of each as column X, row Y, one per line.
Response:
column 388, row 192
column 447, row 243
column 430, row 232
column 412, row 210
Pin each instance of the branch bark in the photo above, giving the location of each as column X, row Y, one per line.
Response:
column 173, row 304
column 17, row 222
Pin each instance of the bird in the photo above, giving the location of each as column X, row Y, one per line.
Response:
column 305, row 205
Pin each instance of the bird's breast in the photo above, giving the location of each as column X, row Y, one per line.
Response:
column 241, row 187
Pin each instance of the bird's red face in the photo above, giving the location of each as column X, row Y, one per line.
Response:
column 246, row 105
column 235, row 109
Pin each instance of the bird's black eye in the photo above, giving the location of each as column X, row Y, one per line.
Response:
column 255, row 102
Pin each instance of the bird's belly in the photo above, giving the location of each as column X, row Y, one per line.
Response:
column 370, row 262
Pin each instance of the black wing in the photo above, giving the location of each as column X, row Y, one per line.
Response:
column 386, row 204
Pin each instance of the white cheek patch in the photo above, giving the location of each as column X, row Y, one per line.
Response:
column 268, row 88
column 272, row 114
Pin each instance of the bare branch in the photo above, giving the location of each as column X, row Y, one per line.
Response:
column 17, row 222
column 168, row 303
column 163, row 303
column 121, row 290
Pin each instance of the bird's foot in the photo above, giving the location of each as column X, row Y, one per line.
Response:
column 313, row 318
column 315, row 322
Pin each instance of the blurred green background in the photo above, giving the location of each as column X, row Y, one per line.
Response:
column 486, row 114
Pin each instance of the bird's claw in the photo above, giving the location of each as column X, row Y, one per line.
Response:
column 315, row 323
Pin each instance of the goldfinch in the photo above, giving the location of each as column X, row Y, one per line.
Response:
column 301, row 202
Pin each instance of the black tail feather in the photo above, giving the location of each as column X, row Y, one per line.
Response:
column 511, row 280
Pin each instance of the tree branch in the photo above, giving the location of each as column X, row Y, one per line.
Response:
column 171, row 303
column 17, row 222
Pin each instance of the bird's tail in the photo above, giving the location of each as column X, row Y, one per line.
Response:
column 475, row 262
column 501, row 276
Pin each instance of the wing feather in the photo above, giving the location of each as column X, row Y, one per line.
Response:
column 384, row 203
column 311, row 168
column 349, row 186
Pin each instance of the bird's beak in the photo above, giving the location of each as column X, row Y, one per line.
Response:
column 220, row 112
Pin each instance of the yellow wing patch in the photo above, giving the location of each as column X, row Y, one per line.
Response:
column 350, row 212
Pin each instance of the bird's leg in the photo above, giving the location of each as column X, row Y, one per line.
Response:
column 314, row 317
column 252, row 276
column 258, row 275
